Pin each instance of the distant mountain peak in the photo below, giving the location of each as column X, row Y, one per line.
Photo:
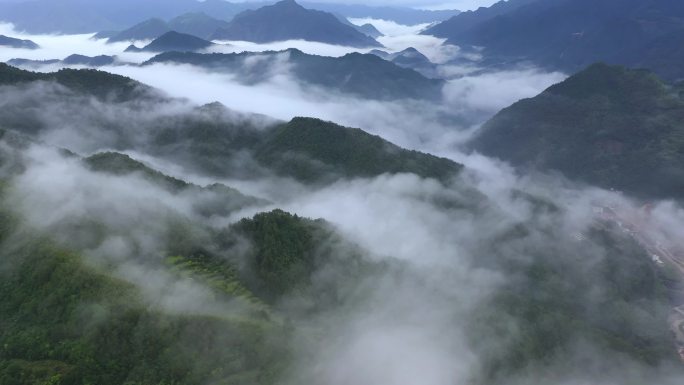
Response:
column 287, row 20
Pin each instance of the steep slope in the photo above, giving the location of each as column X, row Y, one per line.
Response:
column 364, row 75
column 608, row 126
column 6, row 41
column 175, row 41
column 287, row 20
column 569, row 35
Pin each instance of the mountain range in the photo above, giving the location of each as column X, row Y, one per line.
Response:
column 607, row 126
column 359, row 74
column 405, row 75
column 197, row 24
column 570, row 35
column 87, row 16
column 259, row 26
column 353, row 154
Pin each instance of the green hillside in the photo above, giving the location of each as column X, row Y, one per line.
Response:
column 607, row 126
column 312, row 149
column 211, row 140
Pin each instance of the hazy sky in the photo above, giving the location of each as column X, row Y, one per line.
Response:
column 436, row 4
column 432, row 4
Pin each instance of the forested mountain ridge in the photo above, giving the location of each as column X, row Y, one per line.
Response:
column 348, row 153
column 211, row 140
column 607, row 125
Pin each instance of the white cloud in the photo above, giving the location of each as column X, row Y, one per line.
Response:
column 309, row 47
column 491, row 91
column 389, row 27
column 61, row 46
